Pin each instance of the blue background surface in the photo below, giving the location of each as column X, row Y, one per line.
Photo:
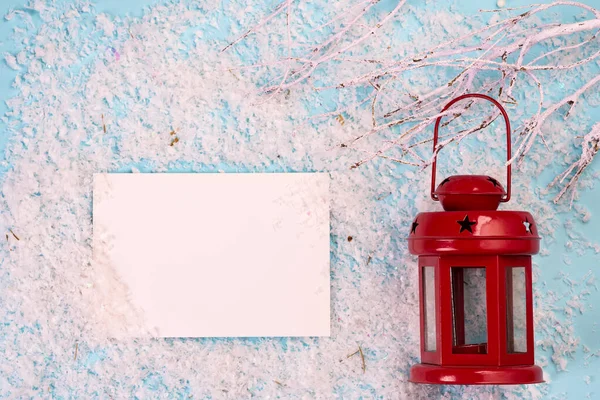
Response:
column 569, row 383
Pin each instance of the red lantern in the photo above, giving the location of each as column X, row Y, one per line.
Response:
column 475, row 281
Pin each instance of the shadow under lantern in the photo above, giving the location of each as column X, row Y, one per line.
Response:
column 475, row 281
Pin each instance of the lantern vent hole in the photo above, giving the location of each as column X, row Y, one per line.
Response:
column 469, row 310
column 527, row 225
column 516, row 310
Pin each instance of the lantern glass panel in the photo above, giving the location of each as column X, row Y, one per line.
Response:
column 516, row 310
column 469, row 310
column 429, row 308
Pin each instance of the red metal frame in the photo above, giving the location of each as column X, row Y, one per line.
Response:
column 443, row 366
column 476, row 375
column 526, row 358
column 496, row 303
column 449, row 356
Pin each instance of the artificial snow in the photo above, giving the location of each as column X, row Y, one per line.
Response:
column 81, row 110
column 11, row 61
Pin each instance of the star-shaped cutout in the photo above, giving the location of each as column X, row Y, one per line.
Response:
column 528, row 225
column 445, row 181
column 495, row 182
column 413, row 228
column 466, row 225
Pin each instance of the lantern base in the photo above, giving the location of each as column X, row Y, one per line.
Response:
column 479, row 375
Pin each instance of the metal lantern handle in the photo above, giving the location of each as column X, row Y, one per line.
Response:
column 508, row 148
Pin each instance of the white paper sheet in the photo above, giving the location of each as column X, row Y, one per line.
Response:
column 218, row 255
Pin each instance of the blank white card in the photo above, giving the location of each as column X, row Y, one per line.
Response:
column 218, row 255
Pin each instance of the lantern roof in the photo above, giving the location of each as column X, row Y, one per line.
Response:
column 473, row 232
column 470, row 192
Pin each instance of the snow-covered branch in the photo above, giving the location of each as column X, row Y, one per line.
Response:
column 590, row 147
column 518, row 50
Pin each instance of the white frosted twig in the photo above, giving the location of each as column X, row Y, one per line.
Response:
column 504, row 46
column 566, row 48
column 278, row 10
column 288, row 68
column 589, row 149
column 534, row 125
column 343, row 14
column 311, row 67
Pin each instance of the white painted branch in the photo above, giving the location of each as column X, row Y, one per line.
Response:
column 480, row 51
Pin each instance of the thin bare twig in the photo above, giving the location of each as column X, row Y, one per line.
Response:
column 590, row 147
column 14, row 235
column 362, row 357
